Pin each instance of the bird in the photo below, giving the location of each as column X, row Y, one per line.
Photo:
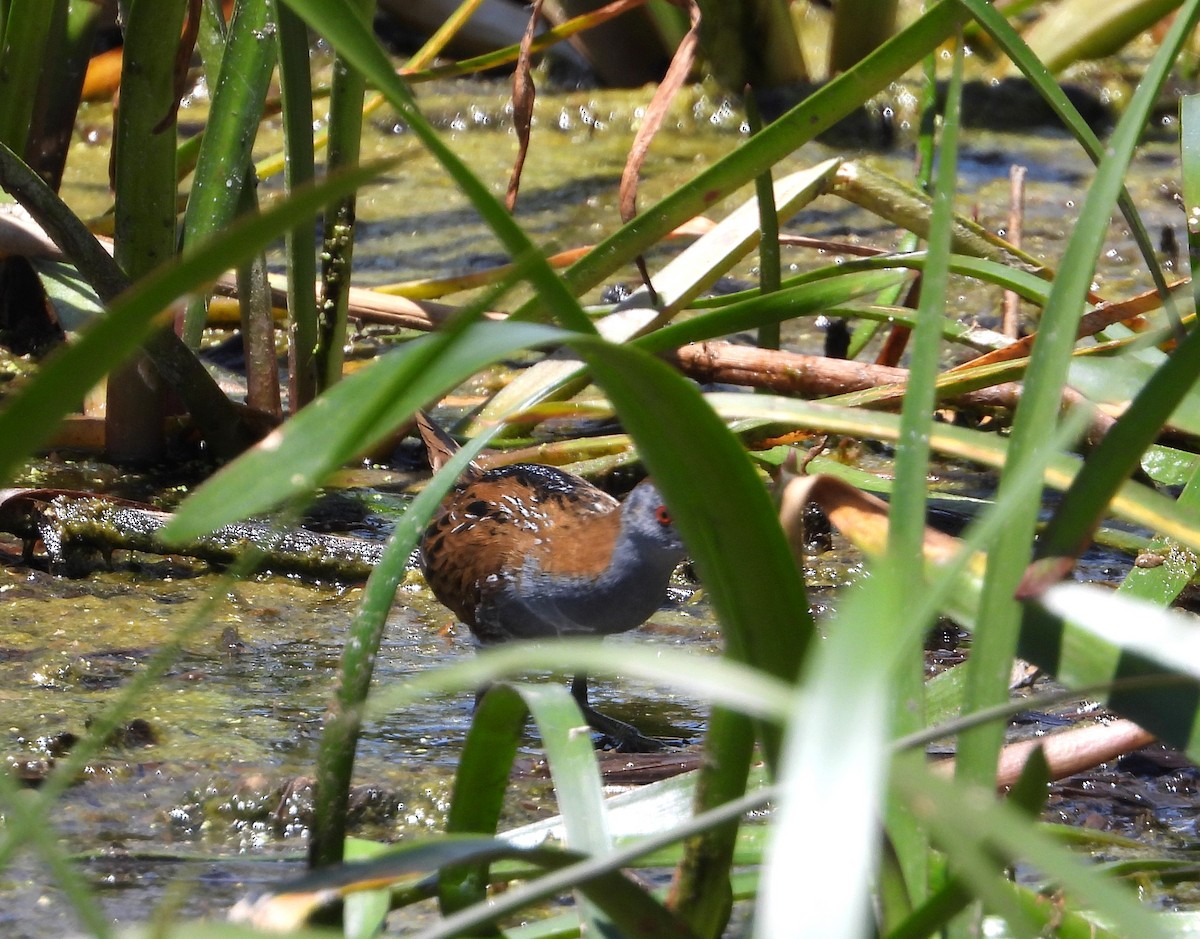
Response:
column 531, row 552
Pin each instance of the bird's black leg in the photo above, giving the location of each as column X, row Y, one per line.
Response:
column 624, row 737
column 579, row 691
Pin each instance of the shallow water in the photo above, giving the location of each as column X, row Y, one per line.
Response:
column 219, row 754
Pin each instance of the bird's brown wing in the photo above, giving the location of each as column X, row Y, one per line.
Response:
column 475, row 548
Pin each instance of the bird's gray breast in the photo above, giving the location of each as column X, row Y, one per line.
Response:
column 536, row 605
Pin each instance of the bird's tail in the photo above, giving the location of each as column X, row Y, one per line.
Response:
column 438, row 444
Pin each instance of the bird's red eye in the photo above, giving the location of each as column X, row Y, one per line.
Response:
column 662, row 515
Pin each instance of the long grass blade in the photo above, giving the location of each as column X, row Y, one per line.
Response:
column 224, row 160
column 906, row 516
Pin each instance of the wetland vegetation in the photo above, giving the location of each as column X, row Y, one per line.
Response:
column 181, row 737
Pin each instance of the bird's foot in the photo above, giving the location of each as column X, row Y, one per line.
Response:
column 622, row 737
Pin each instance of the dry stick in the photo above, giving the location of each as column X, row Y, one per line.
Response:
column 830, row 247
column 523, row 96
column 1067, row 752
column 813, row 376
column 1091, row 323
column 1011, row 321
column 807, row 376
column 664, row 94
column 369, row 306
column 897, row 338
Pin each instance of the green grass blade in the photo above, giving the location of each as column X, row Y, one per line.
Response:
column 769, row 269
column 73, row 33
column 1189, row 150
column 144, row 140
column 906, row 516
column 807, row 299
column 573, row 765
column 1029, row 285
column 295, row 95
column 339, row 738
column 221, row 167
column 701, row 892
column 66, row 230
column 338, row 227
column 26, row 26
column 731, row 684
column 578, row 788
column 143, row 208
column 1074, row 30
column 480, row 783
column 836, row 753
